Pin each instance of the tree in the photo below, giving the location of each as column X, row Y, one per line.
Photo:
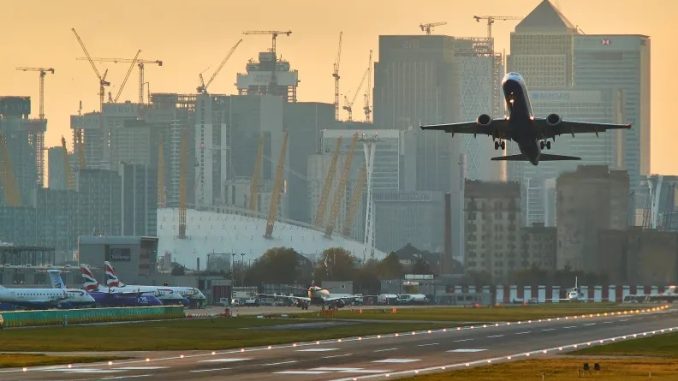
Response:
column 420, row 266
column 366, row 280
column 390, row 267
column 279, row 265
column 335, row 264
column 178, row 269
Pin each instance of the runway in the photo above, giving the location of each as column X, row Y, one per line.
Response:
column 373, row 357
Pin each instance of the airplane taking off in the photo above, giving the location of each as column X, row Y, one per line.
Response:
column 520, row 125
column 318, row 296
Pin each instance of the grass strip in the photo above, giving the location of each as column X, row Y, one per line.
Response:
column 665, row 345
column 17, row 360
column 565, row 369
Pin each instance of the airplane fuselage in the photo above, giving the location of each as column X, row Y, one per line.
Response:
column 520, row 117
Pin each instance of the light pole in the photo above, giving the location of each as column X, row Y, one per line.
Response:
column 242, row 269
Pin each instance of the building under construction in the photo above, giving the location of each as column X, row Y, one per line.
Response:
column 269, row 76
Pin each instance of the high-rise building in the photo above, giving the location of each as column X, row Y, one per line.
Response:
column 99, row 204
column 15, row 130
column 56, row 157
column 138, row 200
column 588, row 200
column 211, row 150
column 270, row 76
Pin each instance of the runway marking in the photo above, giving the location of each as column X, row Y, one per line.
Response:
column 427, row 345
column 522, row 333
column 350, row 370
column 385, row 350
column 608, row 322
column 317, row 349
column 397, row 361
column 209, row 370
column 281, row 363
column 494, row 336
column 334, row 356
column 623, row 320
column 467, row 350
column 141, row 368
column 83, row 370
column 126, row 377
column 571, row 326
column 589, row 324
column 301, row 372
column 462, row 340
column 228, row 359
column 548, row 329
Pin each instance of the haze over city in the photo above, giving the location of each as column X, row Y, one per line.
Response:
column 193, row 38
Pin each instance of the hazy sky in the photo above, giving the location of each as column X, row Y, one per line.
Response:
column 193, row 36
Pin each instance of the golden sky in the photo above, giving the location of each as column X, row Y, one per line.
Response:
column 193, row 36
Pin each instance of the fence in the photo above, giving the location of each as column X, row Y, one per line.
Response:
column 88, row 315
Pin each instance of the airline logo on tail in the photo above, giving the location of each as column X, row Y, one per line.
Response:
column 88, row 281
column 111, row 277
column 55, row 277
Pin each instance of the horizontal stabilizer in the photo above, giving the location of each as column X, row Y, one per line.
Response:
column 542, row 157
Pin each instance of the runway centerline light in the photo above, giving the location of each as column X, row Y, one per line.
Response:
column 110, row 363
column 147, row 359
column 214, row 353
column 181, row 356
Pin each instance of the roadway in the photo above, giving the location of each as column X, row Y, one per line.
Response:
column 372, row 357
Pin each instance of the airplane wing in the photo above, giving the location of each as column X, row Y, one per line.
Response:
column 344, row 297
column 496, row 128
column 572, row 128
column 292, row 297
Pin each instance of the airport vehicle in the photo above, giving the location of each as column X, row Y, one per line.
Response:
column 520, row 125
column 167, row 294
column 41, row 298
column 412, row 299
column 111, row 297
column 318, row 296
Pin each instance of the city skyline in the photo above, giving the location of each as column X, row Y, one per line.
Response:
column 191, row 42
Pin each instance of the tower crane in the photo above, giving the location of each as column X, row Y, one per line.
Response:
column 7, row 177
column 202, row 89
column 43, row 72
column 341, row 188
column 327, row 185
column 349, row 105
column 141, row 64
column 277, row 189
column 335, row 75
column 367, row 108
column 274, row 36
column 492, row 19
column 102, row 79
column 428, row 28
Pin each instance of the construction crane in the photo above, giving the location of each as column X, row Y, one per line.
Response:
column 355, row 202
column 335, row 75
column 428, row 28
column 274, row 37
column 367, row 108
column 162, row 201
column 183, row 178
column 68, row 173
column 256, row 175
column 277, row 189
column 327, row 185
column 102, row 79
column 43, row 72
column 492, row 19
column 348, row 105
column 341, row 188
column 141, row 64
column 7, row 177
column 202, row 89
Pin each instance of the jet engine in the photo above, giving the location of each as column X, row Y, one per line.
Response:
column 484, row 120
column 553, row 119
column 340, row 303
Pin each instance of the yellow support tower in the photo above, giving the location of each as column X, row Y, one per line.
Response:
column 9, row 184
column 70, row 180
column 256, row 176
column 355, row 202
column 162, row 201
column 327, row 185
column 277, row 189
column 183, row 174
column 341, row 188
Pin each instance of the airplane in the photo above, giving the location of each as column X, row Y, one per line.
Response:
column 166, row 294
column 318, row 296
column 520, row 125
column 574, row 294
column 42, row 298
column 111, row 297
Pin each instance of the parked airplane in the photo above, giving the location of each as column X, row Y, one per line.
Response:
column 574, row 294
column 41, row 298
column 520, row 125
column 111, row 297
column 318, row 296
column 166, row 294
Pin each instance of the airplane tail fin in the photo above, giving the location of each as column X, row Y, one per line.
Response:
column 88, row 281
column 111, row 277
column 542, row 157
column 55, row 278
